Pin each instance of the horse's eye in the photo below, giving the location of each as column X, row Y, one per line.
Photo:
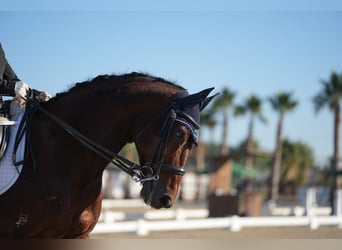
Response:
column 180, row 135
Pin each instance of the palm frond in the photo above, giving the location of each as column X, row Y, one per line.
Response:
column 330, row 94
column 283, row 102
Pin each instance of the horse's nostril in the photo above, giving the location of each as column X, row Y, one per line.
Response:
column 166, row 201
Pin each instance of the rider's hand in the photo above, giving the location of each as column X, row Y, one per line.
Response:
column 21, row 88
column 44, row 96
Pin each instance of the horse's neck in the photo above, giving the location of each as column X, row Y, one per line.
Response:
column 108, row 123
column 108, row 120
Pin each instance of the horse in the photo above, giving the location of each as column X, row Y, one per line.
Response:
column 75, row 135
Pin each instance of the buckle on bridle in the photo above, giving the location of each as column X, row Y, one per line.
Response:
column 141, row 179
column 145, row 174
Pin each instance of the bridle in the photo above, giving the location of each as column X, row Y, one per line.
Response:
column 147, row 172
column 155, row 165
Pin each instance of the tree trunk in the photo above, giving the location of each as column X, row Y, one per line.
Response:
column 224, row 144
column 200, row 155
column 249, row 144
column 336, row 180
column 274, row 194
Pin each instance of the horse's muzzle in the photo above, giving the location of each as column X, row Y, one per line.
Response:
column 157, row 201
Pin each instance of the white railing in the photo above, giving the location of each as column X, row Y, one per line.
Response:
column 194, row 219
column 120, row 203
column 177, row 214
column 235, row 223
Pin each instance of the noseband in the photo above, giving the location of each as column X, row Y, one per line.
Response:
column 149, row 171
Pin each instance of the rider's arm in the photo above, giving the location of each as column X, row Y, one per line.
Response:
column 8, row 78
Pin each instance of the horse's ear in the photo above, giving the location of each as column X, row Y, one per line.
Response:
column 194, row 99
column 207, row 101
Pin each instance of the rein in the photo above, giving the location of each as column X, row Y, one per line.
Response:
column 137, row 172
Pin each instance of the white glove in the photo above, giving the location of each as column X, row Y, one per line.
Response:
column 21, row 88
column 44, row 96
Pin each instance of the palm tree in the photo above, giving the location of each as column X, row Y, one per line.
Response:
column 330, row 96
column 282, row 103
column 252, row 106
column 222, row 104
column 297, row 158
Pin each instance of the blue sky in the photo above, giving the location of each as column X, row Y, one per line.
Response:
column 172, row 5
column 250, row 48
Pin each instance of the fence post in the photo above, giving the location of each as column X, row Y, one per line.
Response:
column 338, row 203
column 142, row 229
column 338, row 207
column 310, row 201
column 235, row 225
column 180, row 214
column 313, row 223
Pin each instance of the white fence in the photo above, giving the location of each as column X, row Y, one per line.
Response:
column 177, row 214
column 142, row 227
column 195, row 219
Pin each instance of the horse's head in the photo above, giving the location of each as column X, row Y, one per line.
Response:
column 164, row 146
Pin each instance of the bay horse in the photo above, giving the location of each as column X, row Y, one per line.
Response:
column 75, row 135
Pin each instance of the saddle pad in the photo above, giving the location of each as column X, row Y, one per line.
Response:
column 8, row 172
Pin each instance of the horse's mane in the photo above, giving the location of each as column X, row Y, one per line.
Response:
column 117, row 81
